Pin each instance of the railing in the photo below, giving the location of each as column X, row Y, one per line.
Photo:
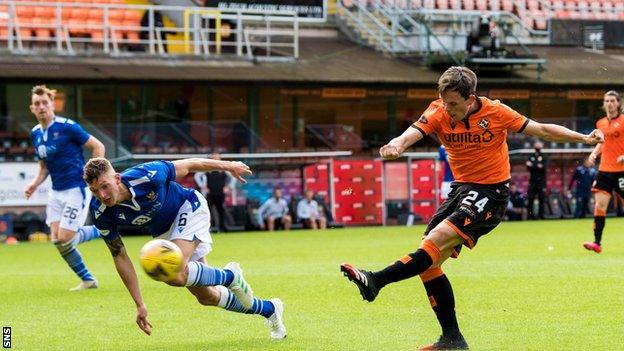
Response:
column 424, row 30
column 60, row 28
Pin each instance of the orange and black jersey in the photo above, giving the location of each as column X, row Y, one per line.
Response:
column 613, row 146
column 477, row 145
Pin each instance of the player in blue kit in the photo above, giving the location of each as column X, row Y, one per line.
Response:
column 59, row 142
column 148, row 196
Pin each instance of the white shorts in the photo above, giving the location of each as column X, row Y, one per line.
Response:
column 445, row 190
column 70, row 207
column 192, row 226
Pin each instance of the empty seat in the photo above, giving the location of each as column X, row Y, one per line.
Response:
column 508, row 5
column 469, row 4
column 541, row 23
column 442, row 4
column 562, row 14
column 528, row 21
column 455, row 4
column 533, row 5
column 43, row 27
column 582, row 5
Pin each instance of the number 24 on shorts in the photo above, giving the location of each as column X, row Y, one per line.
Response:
column 470, row 200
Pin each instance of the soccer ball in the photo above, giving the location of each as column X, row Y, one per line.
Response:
column 161, row 259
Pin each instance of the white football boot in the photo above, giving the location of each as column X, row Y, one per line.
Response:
column 85, row 284
column 276, row 322
column 239, row 286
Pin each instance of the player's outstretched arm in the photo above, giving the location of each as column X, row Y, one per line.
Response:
column 41, row 176
column 190, row 165
column 553, row 132
column 398, row 145
column 96, row 147
column 131, row 281
column 594, row 155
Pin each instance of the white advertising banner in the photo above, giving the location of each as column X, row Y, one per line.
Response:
column 14, row 176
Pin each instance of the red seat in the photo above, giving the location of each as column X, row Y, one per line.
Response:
column 562, row 14
column 442, row 4
column 533, row 4
column 456, row 4
column 469, row 4
column 508, row 5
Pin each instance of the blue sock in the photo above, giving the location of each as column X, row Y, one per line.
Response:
column 72, row 256
column 229, row 302
column 200, row 274
column 86, row 233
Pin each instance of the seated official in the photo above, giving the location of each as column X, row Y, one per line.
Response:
column 308, row 212
column 273, row 213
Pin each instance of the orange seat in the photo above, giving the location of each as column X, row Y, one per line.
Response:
column 25, row 27
column 4, row 29
column 77, row 26
column 44, row 12
column 66, row 13
column 132, row 15
column 42, row 27
column 95, row 29
column 96, row 14
column 115, row 31
column 25, row 11
column 80, row 13
column 115, row 15
column 131, row 30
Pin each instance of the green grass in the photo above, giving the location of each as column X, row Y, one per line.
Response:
column 512, row 293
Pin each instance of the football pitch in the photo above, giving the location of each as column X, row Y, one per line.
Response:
column 526, row 286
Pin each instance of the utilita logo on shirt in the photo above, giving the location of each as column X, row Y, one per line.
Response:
column 467, row 137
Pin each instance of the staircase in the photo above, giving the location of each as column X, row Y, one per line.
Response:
column 398, row 33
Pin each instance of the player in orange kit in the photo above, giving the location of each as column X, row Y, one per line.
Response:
column 474, row 131
column 611, row 171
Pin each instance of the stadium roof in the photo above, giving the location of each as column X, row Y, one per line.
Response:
column 327, row 60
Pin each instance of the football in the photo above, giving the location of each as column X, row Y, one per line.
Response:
column 161, row 259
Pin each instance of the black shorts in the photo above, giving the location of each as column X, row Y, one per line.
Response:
column 307, row 222
column 472, row 210
column 609, row 181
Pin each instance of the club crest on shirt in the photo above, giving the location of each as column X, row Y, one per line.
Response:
column 151, row 196
column 423, row 119
column 484, row 123
column 55, row 135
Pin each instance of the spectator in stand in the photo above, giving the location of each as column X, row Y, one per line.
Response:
column 516, row 209
column 536, row 165
column 448, row 174
column 584, row 176
column 308, row 212
column 273, row 213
